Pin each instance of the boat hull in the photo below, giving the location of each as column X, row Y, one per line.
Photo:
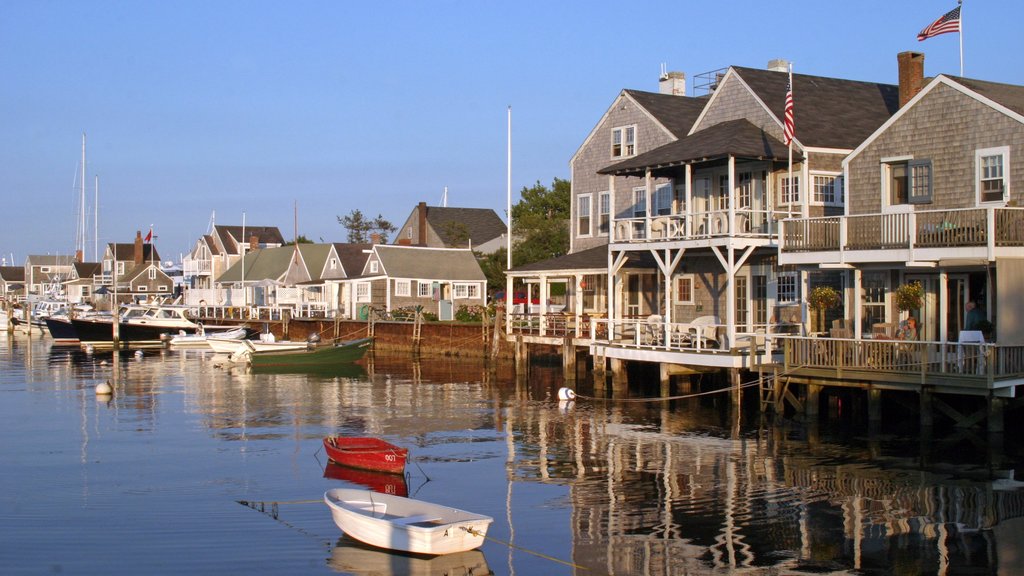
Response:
column 382, row 482
column 366, row 453
column 100, row 331
column 340, row 353
column 62, row 330
column 405, row 524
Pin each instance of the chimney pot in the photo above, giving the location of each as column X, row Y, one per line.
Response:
column 911, row 73
column 778, row 65
column 673, row 83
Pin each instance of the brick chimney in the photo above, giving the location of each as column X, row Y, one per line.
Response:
column 138, row 247
column 911, row 71
column 672, row 83
column 422, row 212
column 376, row 238
column 254, row 242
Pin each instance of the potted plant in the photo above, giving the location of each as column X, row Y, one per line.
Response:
column 909, row 296
column 822, row 298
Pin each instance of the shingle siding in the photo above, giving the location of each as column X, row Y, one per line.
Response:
column 946, row 127
column 733, row 101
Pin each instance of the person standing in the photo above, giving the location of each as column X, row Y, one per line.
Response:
column 974, row 316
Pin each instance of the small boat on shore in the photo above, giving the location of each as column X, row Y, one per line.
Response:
column 308, row 355
column 405, row 524
column 366, row 452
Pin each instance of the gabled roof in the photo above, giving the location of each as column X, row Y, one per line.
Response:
column 827, row 112
column 737, row 138
column 136, row 271
column 315, row 258
column 676, row 113
column 593, row 259
column 231, row 236
column 125, row 252
column 12, row 273
column 482, row 224
column 1009, row 95
column 260, row 264
column 211, row 244
column 50, row 260
column 353, row 257
column 428, row 263
column 87, row 269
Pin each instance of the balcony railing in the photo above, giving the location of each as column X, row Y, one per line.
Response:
column 197, row 267
column 695, row 225
column 970, row 227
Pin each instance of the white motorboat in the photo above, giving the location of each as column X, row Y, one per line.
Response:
column 200, row 338
column 404, row 524
column 237, row 346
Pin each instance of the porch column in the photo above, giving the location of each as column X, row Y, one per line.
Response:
column 732, row 195
column 543, row 309
column 805, row 290
column 508, row 304
column 688, row 199
column 667, row 312
column 858, row 280
column 730, row 297
column 943, row 312
column 611, row 294
column 578, row 307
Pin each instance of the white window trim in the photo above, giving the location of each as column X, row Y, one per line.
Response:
column 1003, row 151
column 590, row 216
column 460, row 291
column 403, row 288
column 794, row 298
column 424, row 289
column 883, row 166
column 600, row 214
column 646, row 204
column 837, row 191
column 693, row 288
column 781, row 184
column 374, row 267
column 623, row 129
column 360, row 287
column 141, row 288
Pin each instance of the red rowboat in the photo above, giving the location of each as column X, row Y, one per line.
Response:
column 377, row 481
column 366, row 453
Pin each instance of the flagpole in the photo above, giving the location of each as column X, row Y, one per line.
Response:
column 508, row 194
column 791, row 139
column 961, row 4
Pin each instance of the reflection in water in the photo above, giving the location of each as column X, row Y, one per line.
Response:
column 377, row 481
column 352, row 557
column 615, row 487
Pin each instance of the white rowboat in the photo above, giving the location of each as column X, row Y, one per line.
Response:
column 404, row 524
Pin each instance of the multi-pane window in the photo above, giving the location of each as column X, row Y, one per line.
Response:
column 363, row 292
column 992, row 171
column 788, row 288
column 745, row 192
column 742, row 301
column 467, row 290
column 403, row 287
column 723, row 192
column 152, row 273
column 374, row 266
column 910, row 182
column 424, row 289
column 680, row 199
column 827, row 190
column 604, row 217
column 662, row 201
column 639, row 202
column 623, row 141
column 583, row 215
column 789, row 192
column 684, row 289
column 759, row 299
column 874, row 286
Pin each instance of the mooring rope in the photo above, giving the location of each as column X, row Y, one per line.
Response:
column 521, row 549
column 750, row 384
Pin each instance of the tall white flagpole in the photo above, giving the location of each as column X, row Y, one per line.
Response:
column 508, row 192
column 961, row 4
column 791, row 189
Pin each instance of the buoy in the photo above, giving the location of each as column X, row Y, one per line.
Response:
column 138, row 353
column 566, row 394
column 104, row 389
column 565, row 406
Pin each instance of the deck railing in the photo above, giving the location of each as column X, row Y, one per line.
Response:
column 695, row 225
column 918, row 229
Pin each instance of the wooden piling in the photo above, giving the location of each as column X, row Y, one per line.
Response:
column 568, row 359
column 665, row 376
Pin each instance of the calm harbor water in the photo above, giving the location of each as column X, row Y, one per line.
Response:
column 150, row 480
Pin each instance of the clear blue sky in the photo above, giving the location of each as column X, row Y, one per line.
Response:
column 195, row 107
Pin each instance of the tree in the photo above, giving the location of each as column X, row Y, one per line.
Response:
column 540, row 222
column 360, row 230
column 300, row 240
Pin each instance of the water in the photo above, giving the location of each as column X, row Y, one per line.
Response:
column 149, row 481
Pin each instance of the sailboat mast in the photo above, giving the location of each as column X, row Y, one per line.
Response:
column 80, row 241
column 96, row 223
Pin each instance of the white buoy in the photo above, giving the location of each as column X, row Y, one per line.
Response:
column 138, row 353
column 566, row 394
column 565, row 406
column 104, row 389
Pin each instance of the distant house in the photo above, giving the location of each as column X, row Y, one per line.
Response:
column 80, row 285
column 133, row 271
column 12, row 282
column 437, row 279
column 442, row 227
column 214, row 253
column 45, row 274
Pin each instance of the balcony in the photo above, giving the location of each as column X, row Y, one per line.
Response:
column 696, row 226
column 921, row 235
column 197, row 267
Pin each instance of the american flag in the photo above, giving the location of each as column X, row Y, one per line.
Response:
column 788, row 128
column 949, row 22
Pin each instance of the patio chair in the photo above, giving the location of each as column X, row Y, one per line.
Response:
column 653, row 328
column 705, row 329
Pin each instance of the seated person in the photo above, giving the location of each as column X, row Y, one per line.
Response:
column 907, row 329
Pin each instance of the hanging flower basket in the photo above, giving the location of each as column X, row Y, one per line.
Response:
column 909, row 296
column 823, row 297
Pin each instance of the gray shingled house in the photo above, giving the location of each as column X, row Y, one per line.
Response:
column 442, row 227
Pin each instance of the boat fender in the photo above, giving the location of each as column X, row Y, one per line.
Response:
column 104, row 389
column 566, row 394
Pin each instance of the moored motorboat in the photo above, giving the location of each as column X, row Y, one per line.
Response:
column 310, row 355
column 405, row 524
column 266, row 342
column 201, row 337
column 366, row 452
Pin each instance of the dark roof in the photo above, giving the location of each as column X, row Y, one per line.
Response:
column 827, row 112
column 124, row 252
column 482, row 224
column 211, row 244
column 737, row 138
column 352, row 257
column 1009, row 95
column 265, row 235
column 590, row 259
column 87, row 269
column 676, row 113
column 12, row 273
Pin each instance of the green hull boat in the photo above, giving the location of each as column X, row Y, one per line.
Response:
column 324, row 355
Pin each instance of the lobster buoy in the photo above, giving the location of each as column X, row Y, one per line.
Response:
column 566, row 394
column 104, row 389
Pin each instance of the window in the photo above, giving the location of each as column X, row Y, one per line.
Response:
column 604, row 217
column 639, row 202
column 583, row 215
column 161, row 288
column 827, row 190
column 408, row 232
column 467, row 290
column 623, row 141
column 374, row 266
column 920, row 182
column 742, row 301
column 86, row 291
column 760, row 299
column 909, row 182
column 745, row 192
column 993, row 182
column 874, row 286
column 684, row 289
column 152, row 273
column 679, row 199
column 140, row 288
column 789, row 288
column 402, row 287
column 723, row 192
column 363, row 292
column 334, row 263
column 662, row 201
column 44, row 269
column 424, row 289
column 120, row 268
column 789, row 194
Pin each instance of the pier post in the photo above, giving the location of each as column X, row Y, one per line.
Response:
column 685, row 384
column 522, row 355
column 286, row 316
column 666, row 380
column 620, row 383
column 600, row 372
column 735, row 383
column 995, row 414
column 927, row 416
column 568, row 359
column 813, row 401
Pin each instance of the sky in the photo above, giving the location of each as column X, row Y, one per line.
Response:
column 283, row 112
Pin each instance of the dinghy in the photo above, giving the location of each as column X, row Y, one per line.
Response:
column 367, row 453
column 405, row 524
